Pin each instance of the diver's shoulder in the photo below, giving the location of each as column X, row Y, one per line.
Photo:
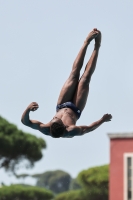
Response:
column 70, row 132
column 45, row 128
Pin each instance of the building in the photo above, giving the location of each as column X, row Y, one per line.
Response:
column 121, row 167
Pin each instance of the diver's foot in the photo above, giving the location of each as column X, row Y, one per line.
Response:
column 98, row 40
column 92, row 35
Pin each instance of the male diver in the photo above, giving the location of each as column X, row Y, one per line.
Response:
column 72, row 98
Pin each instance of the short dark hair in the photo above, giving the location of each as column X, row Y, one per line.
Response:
column 57, row 129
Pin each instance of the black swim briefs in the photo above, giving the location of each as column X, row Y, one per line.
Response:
column 69, row 105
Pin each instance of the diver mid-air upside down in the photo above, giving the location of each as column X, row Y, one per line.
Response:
column 72, row 98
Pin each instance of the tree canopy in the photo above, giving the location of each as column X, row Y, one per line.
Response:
column 57, row 181
column 16, row 145
column 24, row 193
column 72, row 195
column 94, row 183
column 94, row 177
column 74, row 185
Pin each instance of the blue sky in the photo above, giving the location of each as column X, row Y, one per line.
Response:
column 39, row 41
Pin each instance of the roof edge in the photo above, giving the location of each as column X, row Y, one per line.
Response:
column 120, row 135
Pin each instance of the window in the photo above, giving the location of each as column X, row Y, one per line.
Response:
column 128, row 176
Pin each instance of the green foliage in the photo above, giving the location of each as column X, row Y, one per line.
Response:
column 22, row 175
column 95, row 182
column 24, row 193
column 96, row 176
column 74, row 185
column 72, row 195
column 16, row 145
column 57, row 181
column 22, row 185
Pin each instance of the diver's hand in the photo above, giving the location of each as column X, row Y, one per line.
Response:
column 106, row 117
column 33, row 106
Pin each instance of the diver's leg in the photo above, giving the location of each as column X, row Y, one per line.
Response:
column 82, row 91
column 68, row 90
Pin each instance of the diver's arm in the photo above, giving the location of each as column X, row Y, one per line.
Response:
column 91, row 127
column 25, row 117
column 81, row 130
column 44, row 128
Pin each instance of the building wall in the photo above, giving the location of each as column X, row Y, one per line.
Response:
column 117, row 149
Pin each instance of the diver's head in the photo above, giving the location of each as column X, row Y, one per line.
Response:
column 57, row 128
